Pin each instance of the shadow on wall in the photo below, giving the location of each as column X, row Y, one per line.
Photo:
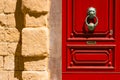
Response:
column 55, row 40
column 20, row 24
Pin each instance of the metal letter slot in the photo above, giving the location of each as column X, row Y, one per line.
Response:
column 91, row 14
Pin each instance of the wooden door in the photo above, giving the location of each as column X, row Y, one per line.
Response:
column 91, row 54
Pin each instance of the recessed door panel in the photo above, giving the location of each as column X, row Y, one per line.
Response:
column 77, row 13
column 90, row 57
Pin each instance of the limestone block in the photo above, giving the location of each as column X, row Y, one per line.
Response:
column 35, row 5
column 3, row 20
column 31, row 21
column 9, row 63
column 35, row 75
column 11, row 21
column 12, row 35
column 10, row 6
column 1, row 5
column 35, row 64
column 12, row 48
column 2, row 34
column 1, row 62
column 3, row 49
column 3, row 75
column 14, row 75
column 35, row 41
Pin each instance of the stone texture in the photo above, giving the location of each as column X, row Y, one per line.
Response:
column 1, row 5
column 12, row 35
column 35, row 41
column 3, row 20
column 10, row 6
column 35, row 5
column 9, row 63
column 2, row 34
column 11, row 21
column 12, row 48
column 3, row 75
column 35, row 75
column 3, row 49
column 1, row 62
column 7, row 20
column 14, row 75
column 31, row 21
column 35, row 64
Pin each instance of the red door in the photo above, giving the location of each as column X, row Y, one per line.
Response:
column 91, row 40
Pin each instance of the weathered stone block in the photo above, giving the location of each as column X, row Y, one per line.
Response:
column 35, row 75
column 3, row 49
column 9, row 63
column 1, row 5
column 35, row 41
column 12, row 35
column 35, row 6
column 35, row 64
column 2, row 34
column 10, row 6
column 3, row 20
column 11, row 21
column 31, row 21
column 13, row 48
column 14, row 75
column 3, row 75
column 1, row 62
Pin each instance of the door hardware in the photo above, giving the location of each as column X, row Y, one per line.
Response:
column 91, row 14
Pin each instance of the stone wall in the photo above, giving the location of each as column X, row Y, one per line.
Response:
column 24, row 39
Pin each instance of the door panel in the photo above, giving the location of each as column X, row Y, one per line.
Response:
column 91, row 54
column 77, row 12
column 90, row 57
column 80, row 6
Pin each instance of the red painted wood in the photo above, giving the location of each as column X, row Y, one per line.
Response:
column 72, row 63
column 99, row 60
column 76, row 19
column 80, row 10
column 90, row 56
column 91, row 76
